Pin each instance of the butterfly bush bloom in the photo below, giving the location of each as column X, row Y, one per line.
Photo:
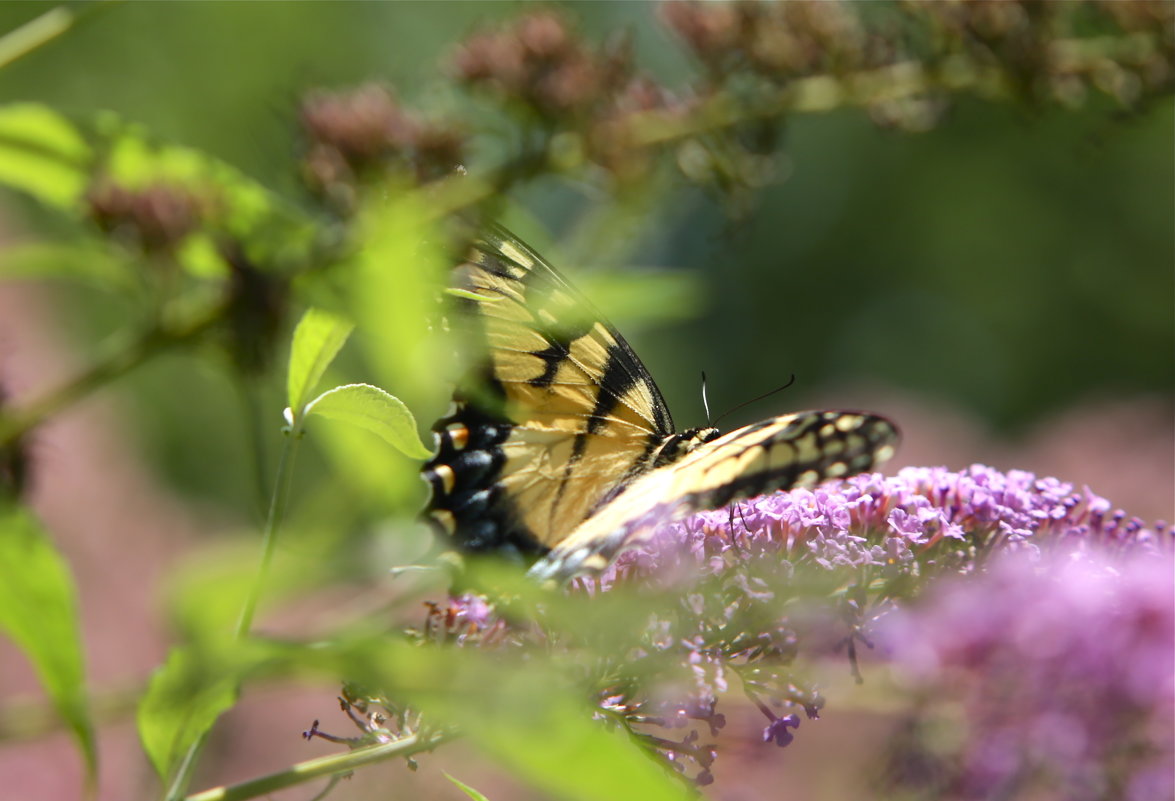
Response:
column 735, row 596
column 921, row 520
column 1065, row 668
column 858, row 549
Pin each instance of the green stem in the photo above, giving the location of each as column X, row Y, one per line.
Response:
column 183, row 775
column 273, row 520
column 323, row 766
column 277, row 504
column 35, row 33
column 823, row 93
column 39, row 31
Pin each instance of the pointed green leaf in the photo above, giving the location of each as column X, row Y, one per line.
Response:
column 371, row 408
column 465, row 788
column 38, row 610
column 317, row 340
column 185, row 697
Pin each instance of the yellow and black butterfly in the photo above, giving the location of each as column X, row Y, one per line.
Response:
column 560, row 446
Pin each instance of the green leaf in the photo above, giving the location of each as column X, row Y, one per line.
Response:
column 538, row 726
column 557, row 747
column 317, row 340
column 371, row 478
column 199, row 256
column 42, row 153
column 465, row 788
column 624, row 297
column 38, row 610
column 393, row 282
column 371, row 408
column 185, row 697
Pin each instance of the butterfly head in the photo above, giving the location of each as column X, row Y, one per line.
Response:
column 678, row 445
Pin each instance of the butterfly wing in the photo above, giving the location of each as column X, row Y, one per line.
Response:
column 795, row 450
column 556, row 417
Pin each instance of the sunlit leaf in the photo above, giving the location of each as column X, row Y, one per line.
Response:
column 206, row 591
column 228, row 201
column 375, row 410
column 199, row 257
column 42, row 153
column 393, row 282
column 317, row 340
column 133, row 159
column 374, row 479
column 38, row 611
column 527, row 713
column 624, row 298
column 538, row 726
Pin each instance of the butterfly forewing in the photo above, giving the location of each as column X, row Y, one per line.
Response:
column 574, row 412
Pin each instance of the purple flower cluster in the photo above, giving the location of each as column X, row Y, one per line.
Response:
column 730, row 599
column 1065, row 669
column 839, row 558
column 914, row 522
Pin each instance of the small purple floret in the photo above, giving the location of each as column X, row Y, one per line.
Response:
column 779, row 730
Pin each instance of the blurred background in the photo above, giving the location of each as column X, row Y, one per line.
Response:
column 1000, row 285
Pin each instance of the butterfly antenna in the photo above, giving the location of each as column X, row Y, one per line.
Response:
column 791, row 380
column 705, row 400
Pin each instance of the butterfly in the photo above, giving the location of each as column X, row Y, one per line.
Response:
column 559, row 445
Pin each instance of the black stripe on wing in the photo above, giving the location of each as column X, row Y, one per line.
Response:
column 562, row 315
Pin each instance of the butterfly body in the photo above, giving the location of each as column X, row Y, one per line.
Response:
column 560, row 445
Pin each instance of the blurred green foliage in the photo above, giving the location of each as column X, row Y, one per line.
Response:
column 1012, row 260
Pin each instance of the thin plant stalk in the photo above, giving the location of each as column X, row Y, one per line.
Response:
column 277, row 505
column 331, row 765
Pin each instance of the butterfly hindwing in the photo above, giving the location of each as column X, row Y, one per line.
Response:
column 559, row 444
